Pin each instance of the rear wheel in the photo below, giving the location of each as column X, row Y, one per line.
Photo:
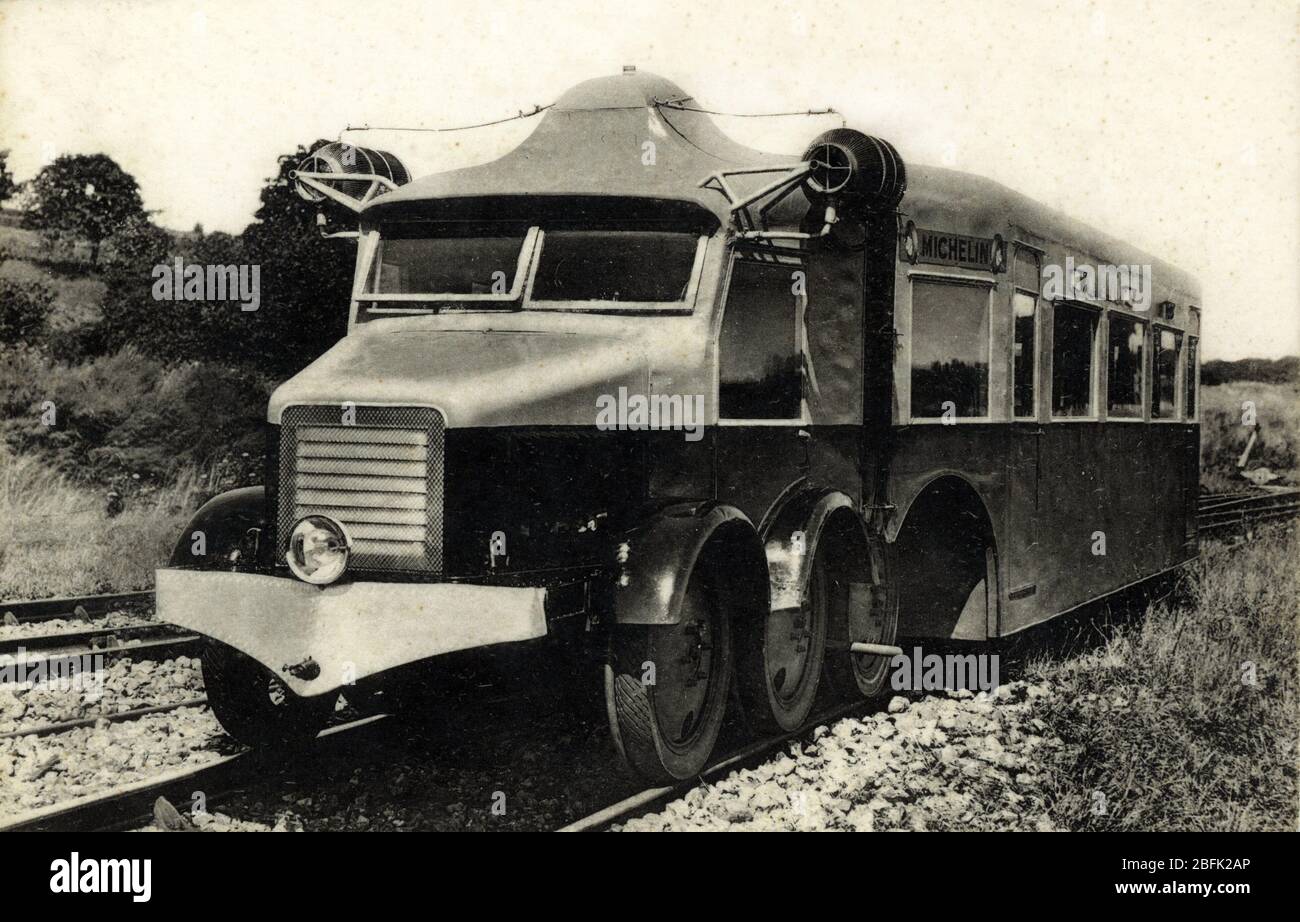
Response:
column 862, row 606
column 779, row 667
column 254, row 706
column 666, row 686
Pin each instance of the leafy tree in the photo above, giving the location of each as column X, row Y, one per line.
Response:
column 305, row 284
column 130, row 313
column 8, row 188
column 83, row 196
column 306, row 280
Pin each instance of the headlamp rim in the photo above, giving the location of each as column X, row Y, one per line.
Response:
column 331, row 525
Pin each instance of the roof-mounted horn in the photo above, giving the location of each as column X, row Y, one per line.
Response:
column 844, row 171
column 348, row 175
column 855, row 171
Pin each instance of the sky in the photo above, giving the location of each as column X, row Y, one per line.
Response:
column 1171, row 124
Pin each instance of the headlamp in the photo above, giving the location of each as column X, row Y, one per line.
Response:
column 319, row 548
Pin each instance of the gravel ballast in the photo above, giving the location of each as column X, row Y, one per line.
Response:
column 951, row 762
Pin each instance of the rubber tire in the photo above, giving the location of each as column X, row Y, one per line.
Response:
column 630, row 704
column 764, row 712
column 845, row 676
column 238, row 689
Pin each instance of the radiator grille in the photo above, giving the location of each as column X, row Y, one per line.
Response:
column 382, row 477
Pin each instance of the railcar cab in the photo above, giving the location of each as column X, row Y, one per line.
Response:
column 683, row 402
column 620, row 380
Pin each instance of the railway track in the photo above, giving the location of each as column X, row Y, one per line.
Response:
column 132, row 806
column 1217, row 511
column 25, row 652
column 640, row 802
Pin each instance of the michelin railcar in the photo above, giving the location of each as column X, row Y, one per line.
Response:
column 722, row 419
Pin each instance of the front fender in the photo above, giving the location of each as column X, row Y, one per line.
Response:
column 655, row 562
column 223, row 522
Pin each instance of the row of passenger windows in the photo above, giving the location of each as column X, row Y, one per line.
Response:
column 951, row 344
column 762, row 361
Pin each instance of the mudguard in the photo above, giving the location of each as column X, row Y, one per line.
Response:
column 790, row 542
column 223, row 520
column 655, row 561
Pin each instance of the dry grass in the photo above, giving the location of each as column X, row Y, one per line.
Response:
column 56, row 538
column 1277, row 410
column 1187, row 717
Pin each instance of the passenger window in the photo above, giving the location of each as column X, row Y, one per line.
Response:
column 1192, row 378
column 950, row 350
column 1024, row 305
column 1074, row 342
column 1125, row 370
column 1165, row 393
column 760, row 355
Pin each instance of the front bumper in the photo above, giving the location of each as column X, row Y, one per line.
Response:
column 350, row 630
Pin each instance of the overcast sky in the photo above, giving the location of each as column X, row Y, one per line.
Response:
column 1172, row 124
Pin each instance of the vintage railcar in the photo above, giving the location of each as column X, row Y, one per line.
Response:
column 711, row 415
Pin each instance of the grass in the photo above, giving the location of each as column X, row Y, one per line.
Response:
column 1223, row 436
column 1185, row 717
column 77, row 300
column 57, row 539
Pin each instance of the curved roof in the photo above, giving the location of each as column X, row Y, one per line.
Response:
column 592, row 143
column 951, row 200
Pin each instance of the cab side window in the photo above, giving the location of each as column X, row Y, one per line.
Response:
column 760, row 352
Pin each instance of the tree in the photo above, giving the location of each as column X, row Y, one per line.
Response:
column 8, row 188
column 83, row 196
column 305, row 284
column 306, row 280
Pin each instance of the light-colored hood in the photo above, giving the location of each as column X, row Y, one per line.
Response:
column 474, row 377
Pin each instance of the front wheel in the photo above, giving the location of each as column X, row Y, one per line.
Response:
column 666, row 686
column 254, row 706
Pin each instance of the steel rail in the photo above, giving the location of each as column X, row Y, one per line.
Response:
column 29, row 610
column 84, row 639
column 131, row 806
column 91, row 720
column 640, row 801
column 53, row 662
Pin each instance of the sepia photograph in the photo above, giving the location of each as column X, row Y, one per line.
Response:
column 675, row 416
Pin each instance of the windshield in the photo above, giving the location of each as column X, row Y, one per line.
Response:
column 624, row 267
column 426, row 268
column 411, row 261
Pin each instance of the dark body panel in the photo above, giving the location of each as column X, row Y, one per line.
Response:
column 1126, row 481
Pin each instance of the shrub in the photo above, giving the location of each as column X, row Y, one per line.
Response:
column 128, row 419
column 24, row 310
